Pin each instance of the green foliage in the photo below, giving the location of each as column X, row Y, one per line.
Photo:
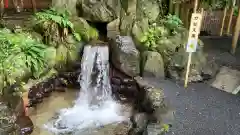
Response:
column 50, row 17
column 165, row 128
column 235, row 11
column 168, row 26
column 153, row 34
column 173, row 23
column 19, row 50
column 216, row 4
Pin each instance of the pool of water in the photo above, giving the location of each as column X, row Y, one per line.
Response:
column 57, row 101
column 46, row 110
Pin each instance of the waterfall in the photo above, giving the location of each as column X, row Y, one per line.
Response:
column 94, row 106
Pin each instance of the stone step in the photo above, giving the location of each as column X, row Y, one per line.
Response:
column 227, row 80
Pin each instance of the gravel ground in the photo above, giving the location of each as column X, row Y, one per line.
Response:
column 202, row 109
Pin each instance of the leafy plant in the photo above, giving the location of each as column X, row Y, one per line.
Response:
column 235, row 11
column 153, row 34
column 51, row 19
column 173, row 23
column 19, row 50
column 165, row 128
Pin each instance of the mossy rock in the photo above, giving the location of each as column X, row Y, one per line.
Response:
column 138, row 31
column 61, row 56
column 82, row 27
column 153, row 65
column 50, row 56
column 73, row 53
column 148, row 9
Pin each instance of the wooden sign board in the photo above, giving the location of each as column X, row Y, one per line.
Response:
column 194, row 31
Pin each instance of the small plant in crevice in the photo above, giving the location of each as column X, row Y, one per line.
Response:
column 153, row 34
column 55, row 24
column 19, row 52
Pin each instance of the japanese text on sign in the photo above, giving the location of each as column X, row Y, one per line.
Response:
column 193, row 32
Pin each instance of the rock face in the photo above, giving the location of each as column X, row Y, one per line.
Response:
column 8, row 121
column 99, row 11
column 113, row 29
column 200, row 69
column 154, row 65
column 151, row 110
column 125, row 56
column 13, row 120
column 14, row 108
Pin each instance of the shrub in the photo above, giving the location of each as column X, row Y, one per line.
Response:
column 18, row 52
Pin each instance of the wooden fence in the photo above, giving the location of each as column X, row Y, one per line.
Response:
column 212, row 21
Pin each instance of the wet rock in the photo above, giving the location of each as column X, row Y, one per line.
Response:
column 116, row 80
column 154, row 65
column 125, row 56
column 25, row 124
column 139, row 124
column 35, row 96
column 153, row 99
column 142, row 83
column 8, row 119
column 129, row 82
column 163, row 114
column 155, row 129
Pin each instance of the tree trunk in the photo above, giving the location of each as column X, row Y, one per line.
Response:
column 170, row 6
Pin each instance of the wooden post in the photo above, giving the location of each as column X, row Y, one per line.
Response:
column 34, row 6
column 1, row 8
column 236, row 33
column 223, row 21
column 190, row 52
column 230, row 17
column 230, row 21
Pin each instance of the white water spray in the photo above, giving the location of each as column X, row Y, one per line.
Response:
column 94, row 106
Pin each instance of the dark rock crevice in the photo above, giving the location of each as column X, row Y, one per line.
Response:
column 102, row 29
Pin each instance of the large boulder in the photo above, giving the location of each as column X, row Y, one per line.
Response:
column 82, row 27
column 8, row 120
column 178, row 64
column 140, row 27
column 148, row 9
column 70, row 5
column 16, row 105
column 125, row 56
column 153, row 65
column 152, row 101
column 113, row 29
column 99, row 11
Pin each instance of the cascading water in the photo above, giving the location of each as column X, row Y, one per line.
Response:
column 94, row 106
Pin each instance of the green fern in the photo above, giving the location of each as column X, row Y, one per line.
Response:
column 20, row 49
column 59, row 17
